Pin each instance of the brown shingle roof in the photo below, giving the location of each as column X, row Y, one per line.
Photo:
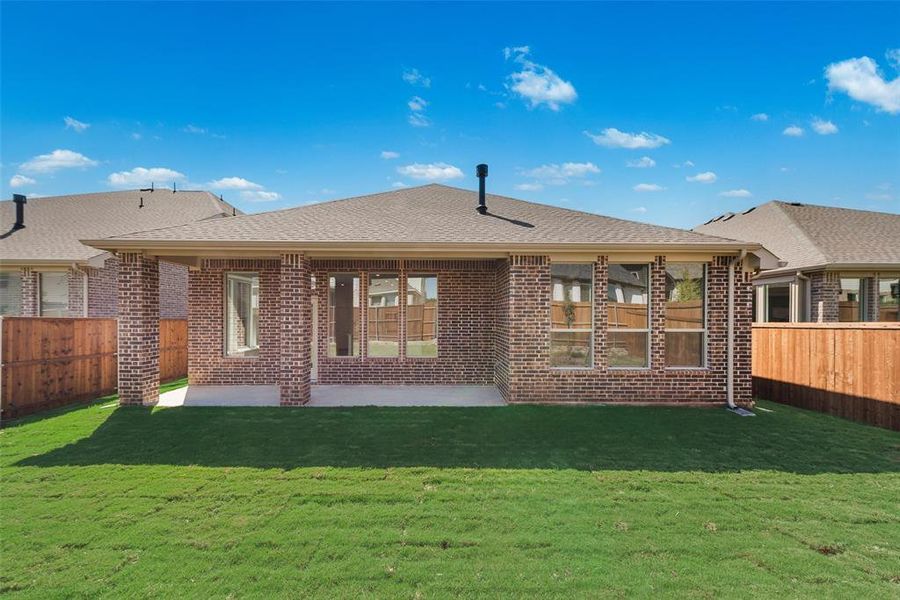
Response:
column 54, row 225
column 807, row 235
column 428, row 214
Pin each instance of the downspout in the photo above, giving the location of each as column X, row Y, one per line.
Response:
column 729, row 368
column 807, row 299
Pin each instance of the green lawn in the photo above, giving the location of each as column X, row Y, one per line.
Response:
column 527, row 501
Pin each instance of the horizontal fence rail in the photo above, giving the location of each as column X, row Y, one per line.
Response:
column 49, row 362
column 851, row 370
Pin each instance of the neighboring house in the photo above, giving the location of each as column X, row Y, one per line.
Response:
column 837, row 264
column 513, row 294
column 46, row 271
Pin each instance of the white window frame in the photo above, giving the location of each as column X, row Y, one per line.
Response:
column 240, row 353
column 704, row 346
column 590, row 366
column 648, row 330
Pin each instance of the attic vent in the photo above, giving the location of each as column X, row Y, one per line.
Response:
column 749, row 210
column 730, row 216
column 710, row 221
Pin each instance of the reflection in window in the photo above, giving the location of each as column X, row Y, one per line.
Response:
column 242, row 314
column 11, row 293
column 778, row 303
column 851, row 300
column 685, row 314
column 571, row 315
column 628, row 294
column 54, row 294
column 343, row 315
column 383, row 331
column 889, row 299
column 421, row 316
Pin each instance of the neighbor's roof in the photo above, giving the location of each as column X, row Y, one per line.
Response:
column 54, row 225
column 811, row 236
column 430, row 216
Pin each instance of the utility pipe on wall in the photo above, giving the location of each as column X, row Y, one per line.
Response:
column 729, row 369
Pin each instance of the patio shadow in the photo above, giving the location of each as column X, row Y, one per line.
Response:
column 513, row 437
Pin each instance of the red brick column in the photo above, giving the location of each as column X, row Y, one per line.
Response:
column 29, row 293
column 601, row 313
column 138, row 329
column 529, row 321
column 296, row 330
column 658, row 315
column 825, row 287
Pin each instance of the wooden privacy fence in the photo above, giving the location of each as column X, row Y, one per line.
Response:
column 850, row 370
column 48, row 362
column 384, row 321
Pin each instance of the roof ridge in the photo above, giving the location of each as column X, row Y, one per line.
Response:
column 795, row 226
column 844, row 208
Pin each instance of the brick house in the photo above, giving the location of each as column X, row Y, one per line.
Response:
column 46, row 271
column 837, row 264
column 426, row 286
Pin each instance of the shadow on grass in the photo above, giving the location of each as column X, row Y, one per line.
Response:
column 513, row 437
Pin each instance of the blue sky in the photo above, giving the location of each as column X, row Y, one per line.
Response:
column 667, row 113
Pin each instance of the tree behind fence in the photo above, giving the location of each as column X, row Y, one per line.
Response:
column 48, row 362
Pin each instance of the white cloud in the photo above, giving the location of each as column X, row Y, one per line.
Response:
column 639, row 209
column 414, row 77
column 537, row 83
column 234, row 183
column 644, row 162
column 398, row 184
column 824, row 127
column 529, row 187
column 613, row 138
column 136, row 136
column 260, row 196
column 741, row 193
column 417, row 104
column 705, row 177
column 555, row 174
column 17, row 181
column 58, row 159
column 793, row 131
column 687, row 163
column 389, row 154
column 648, row 187
column 140, row 176
column 419, row 120
column 75, row 124
column 862, row 80
column 438, row 171
column 194, row 129
column 763, row 117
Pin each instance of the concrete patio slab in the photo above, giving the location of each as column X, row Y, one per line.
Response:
column 222, row 395
column 405, row 395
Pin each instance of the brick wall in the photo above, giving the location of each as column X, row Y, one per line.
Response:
column 296, row 330
column 76, row 279
column 138, row 329
column 465, row 322
column 824, row 290
column 103, row 300
column 533, row 380
column 173, row 286
column 30, row 293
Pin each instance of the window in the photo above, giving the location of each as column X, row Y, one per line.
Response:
column 851, row 300
column 777, row 303
column 628, row 307
column 421, row 316
column 384, row 315
column 54, row 294
column 571, row 315
column 10, row 293
column 889, row 299
column 685, row 315
column 242, row 314
column 343, row 315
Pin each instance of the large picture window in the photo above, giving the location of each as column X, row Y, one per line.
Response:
column 852, row 299
column 383, row 315
column 571, row 315
column 54, row 294
column 343, row 315
column 421, row 316
column 242, row 314
column 685, row 315
column 889, row 299
column 628, row 294
column 10, row 293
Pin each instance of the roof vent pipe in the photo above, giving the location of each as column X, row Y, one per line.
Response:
column 20, row 201
column 482, row 172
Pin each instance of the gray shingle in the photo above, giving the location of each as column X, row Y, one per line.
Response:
column 54, row 225
column 430, row 213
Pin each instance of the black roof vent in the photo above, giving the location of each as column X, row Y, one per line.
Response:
column 795, row 203
column 749, row 210
column 20, row 201
column 481, row 171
